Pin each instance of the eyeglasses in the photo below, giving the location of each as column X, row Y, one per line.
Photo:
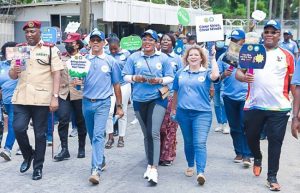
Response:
column 271, row 32
column 95, row 40
column 148, row 40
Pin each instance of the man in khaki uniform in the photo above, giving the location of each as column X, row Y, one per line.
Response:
column 70, row 98
column 35, row 94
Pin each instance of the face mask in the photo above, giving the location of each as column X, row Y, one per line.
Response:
column 220, row 44
column 70, row 49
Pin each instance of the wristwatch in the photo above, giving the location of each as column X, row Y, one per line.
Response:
column 119, row 106
column 55, row 95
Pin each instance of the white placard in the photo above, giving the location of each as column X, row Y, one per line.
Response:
column 209, row 28
column 72, row 27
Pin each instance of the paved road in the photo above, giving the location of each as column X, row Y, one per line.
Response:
column 126, row 166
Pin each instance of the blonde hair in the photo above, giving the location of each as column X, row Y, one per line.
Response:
column 204, row 62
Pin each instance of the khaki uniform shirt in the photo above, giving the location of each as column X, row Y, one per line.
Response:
column 35, row 85
column 66, row 87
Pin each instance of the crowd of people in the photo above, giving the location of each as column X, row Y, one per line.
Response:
column 168, row 91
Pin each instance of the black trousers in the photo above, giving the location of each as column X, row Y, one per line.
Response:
column 64, row 112
column 39, row 116
column 275, row 123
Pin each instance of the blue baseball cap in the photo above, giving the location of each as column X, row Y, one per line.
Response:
column 152, row 33
column 237, row 34
column 97, row 33
column 287, row 32
column 273, row 23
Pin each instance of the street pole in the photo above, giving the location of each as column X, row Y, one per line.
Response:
column 84, row 16
column 248, row 12
column 270, row 9
column 255, row 5
column 281, row 12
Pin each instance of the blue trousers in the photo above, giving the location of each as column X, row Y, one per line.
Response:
column 219, row 105
column 10, row 139
column 195, row 127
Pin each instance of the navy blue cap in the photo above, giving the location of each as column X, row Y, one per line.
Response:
column 237, row 34
column 152, row 33
column 273, row 23
column 287, row 32
column 97, row 33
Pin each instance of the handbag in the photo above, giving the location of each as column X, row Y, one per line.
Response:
column 164, row 91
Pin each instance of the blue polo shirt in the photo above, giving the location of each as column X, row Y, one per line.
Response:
column 103, row 73
column 121, row 58
column 7, row 85
column 290, row 46
column 159, row 67
column 232, row 88
column 176, row 63
column 296, row 76
column 193, row 89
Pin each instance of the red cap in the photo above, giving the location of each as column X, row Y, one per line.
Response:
column 73, row 37
column 32, row 24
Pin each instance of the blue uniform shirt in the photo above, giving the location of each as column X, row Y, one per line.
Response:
column 290, row 46
column 7, row 85
column 121, row 58
column 231, row 87
column 103, row 73
column 193, row 89
column 296, row 76
column 136, row 65
column 176, row 63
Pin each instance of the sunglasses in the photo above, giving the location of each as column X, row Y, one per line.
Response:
column 271, row 32
column 96, row 40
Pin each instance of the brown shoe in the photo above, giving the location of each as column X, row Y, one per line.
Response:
column 238, row 159
column 201, row 179
column 95, row 177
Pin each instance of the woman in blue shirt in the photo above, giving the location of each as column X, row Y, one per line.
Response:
column 149, row 70
column 169, row 127
column 7, row 87
column 191, row 104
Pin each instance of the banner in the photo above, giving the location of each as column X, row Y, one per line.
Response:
column 209, row 28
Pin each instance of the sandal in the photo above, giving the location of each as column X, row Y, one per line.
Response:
column 189, row 172
column 273, row 184
column 120, row 143
column 109, row 143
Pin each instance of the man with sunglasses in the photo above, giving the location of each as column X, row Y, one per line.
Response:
column 102, row 79
column 35, row 94
column 268, row 102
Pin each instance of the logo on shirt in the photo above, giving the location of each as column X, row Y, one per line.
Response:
column 104, row 68
column 279, row 59
column 122, row 57
column 201, row 78
column 138, row 65
column 158, row 66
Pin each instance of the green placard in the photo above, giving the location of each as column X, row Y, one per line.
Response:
column 183, row 17
column 131, row 43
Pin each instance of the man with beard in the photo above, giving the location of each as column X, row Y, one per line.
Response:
column 35, row 94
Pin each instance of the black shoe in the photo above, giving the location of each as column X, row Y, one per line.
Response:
column 64, row 154
column 81, row 153
column 26, row 164
column 37, row 174
column 166, row 163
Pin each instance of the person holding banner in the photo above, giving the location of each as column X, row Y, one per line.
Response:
column 268, row 102
column 191, row 105
column 150, row 72
column 234, row 96
column 102, row 78
column 169, row 127
column 70, row 98
column 121, row 56
column 295, row 128
column 36, row 93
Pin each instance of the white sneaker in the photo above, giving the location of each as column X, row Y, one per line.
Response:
column 153, row 176
column 6, row 154
column 146, row 174
column 135, row 121
column 226, row 129
column 219, row 128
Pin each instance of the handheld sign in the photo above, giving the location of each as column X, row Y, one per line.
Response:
column 183, row 16
column 131, row 43
column 49, row 34
column 72, row 27
column 179, row 47
column 231, row 56
column 209, row 28
column 252, row 56
column 21, row 52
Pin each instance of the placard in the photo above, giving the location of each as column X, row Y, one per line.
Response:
column 231, row 56
column 252, row 56
column 21, row 52
column 209, row 28
column 49, row 34
column 183, row 16
column 78, row 66
column 131, row 43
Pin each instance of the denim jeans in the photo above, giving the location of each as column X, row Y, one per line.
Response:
column 195, row 127
column 10, row 139
column 219, row 105
column 235, row 113
column 96, row 114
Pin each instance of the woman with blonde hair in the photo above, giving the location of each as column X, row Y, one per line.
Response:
column 191, row 105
